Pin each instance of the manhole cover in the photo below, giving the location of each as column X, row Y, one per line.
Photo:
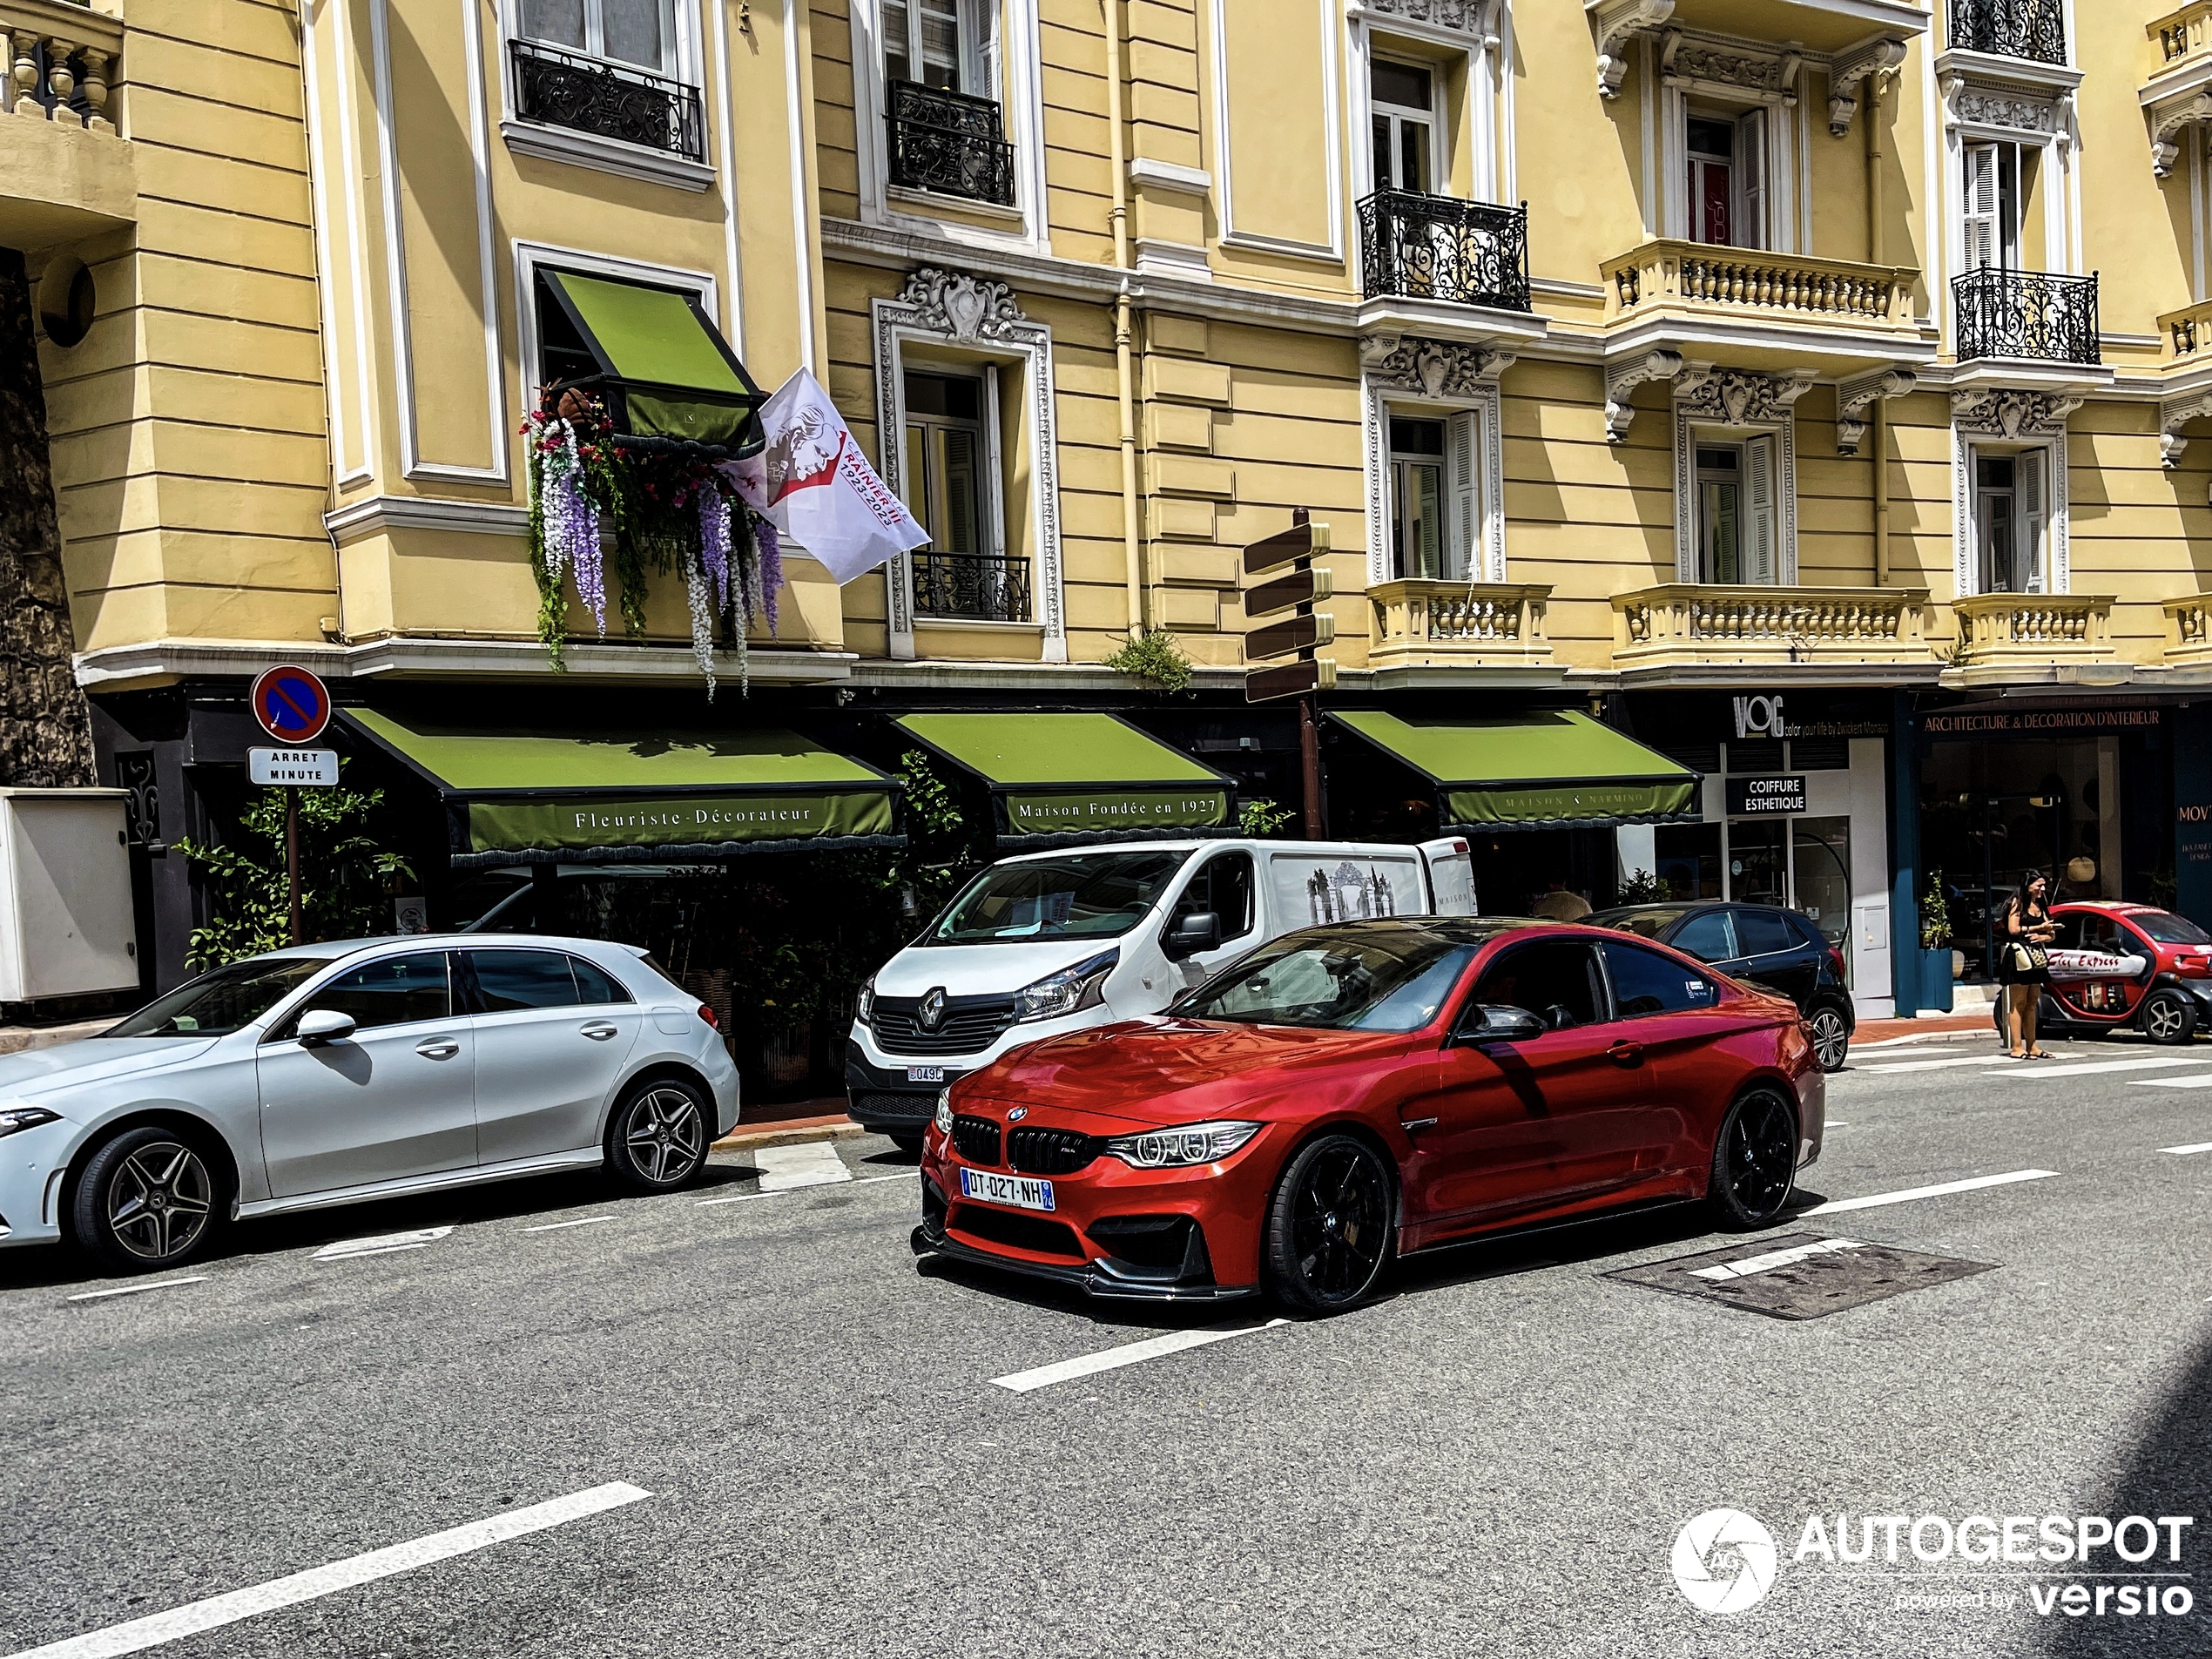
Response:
column 1800, row 1276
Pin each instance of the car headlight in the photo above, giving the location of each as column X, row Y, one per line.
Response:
column 1171, row 1148
column 944, row 1112
column 864, row 1005
column 15, row 1117
column 1069, row 991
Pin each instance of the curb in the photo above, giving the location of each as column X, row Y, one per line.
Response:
column 743, row 1140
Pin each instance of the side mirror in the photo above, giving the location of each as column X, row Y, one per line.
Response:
column 1190, row 934
column 324, row 1025
column 1495, row 1023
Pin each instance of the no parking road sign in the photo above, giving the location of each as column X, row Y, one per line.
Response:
column 291, row 704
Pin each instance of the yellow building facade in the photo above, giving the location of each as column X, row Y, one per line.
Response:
column 1839, row 356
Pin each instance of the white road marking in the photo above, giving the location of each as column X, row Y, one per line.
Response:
column 1128, row 1353
column 217, row 1611
column 382, row 1245
column 1996, row 1057
column 555, row 1226
column 812, row 1163
column 858, row 1181
column 2201, row 1080
column 1874, row 1201
column 132, row 1289
column 2184, row 1151
column 1774, row 1258
column 2028, row 1068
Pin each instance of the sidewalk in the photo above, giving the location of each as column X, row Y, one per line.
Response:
column 15, row 1039
column 1930, row 1025
column 790, row 1124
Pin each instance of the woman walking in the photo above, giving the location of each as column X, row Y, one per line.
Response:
column 2023, row 968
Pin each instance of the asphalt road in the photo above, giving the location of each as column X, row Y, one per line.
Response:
column 792, row 1441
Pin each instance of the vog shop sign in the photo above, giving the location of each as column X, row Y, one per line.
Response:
column 1764, row 797
column 571, row 823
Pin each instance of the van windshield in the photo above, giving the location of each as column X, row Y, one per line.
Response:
column 1083, row 896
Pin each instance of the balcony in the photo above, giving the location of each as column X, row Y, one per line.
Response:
column 2188, row 332
column 1836, row 316
column 971, row 587
column 560, row 89
column 2033, row 31
column 2188, row 632
column 1687, row 625
column 65, row 174
column 2007, row 631
column 950, row 144
column 1418, row 247
column 1425, row 623
column 2027, row 317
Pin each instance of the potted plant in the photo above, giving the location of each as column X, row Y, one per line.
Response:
column 1940, row 964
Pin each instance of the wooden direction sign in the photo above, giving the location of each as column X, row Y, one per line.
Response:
column 1271, row 552
column 1290, row 680
column 1301, row 632
column 1293, row 633
column 1299, row 588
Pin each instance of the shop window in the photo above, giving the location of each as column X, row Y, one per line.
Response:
column 1736, row 517
column 1689, row 857
column 2010, row 521
column 954, row 488
column 1402, row 104
column 1727, row 178
column 1435, row 504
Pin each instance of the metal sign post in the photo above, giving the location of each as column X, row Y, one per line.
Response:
column 292, row 705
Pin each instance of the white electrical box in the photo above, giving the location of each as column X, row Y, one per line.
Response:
column 67, row 922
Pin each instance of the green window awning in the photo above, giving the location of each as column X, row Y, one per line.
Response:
column 1076, row 777
column 542, row 798
column 664, row 367
column 1550, row 769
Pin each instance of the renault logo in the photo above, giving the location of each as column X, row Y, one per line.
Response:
column 932, row 1011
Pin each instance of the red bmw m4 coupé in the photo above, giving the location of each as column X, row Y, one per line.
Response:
column 1351, row 1093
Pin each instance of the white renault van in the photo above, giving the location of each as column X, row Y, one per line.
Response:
column 1049, row 942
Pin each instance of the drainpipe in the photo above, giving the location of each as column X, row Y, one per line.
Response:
column 1124, row 368
column 1877, row 82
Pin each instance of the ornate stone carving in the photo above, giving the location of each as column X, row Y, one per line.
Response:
column 1877, row 60
column 2173, row 414
column 1621, row 381
column 1476, row 18
column 966, row 307
column 2010, row 109
column 1740, row 397
column 2168, row 122
column 1721, row 63
column 1855, row 400
column 2001, row 412
column 1432, row 368
column 1618, row 23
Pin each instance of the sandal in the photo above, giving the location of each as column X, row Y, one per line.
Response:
column 2039, row 1053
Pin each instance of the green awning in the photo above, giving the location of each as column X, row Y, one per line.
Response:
column 539, row 798
column 665, row 367
column 1076, row 777
column 1552, row 770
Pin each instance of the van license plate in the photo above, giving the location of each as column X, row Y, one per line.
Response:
column 925, row 1074
column 1013, row 1189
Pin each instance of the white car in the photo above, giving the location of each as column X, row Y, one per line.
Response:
column 365, row 1068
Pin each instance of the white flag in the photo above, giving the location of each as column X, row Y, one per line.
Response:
column 813, row 484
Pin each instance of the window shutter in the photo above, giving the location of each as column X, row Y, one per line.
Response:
column 898, row 45
column 1758, row 468
column 2035, row 515
column 1751, row 228
column 984, row 28
column 1462, row 449
column 1981, row 205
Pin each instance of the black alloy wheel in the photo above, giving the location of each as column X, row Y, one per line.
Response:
column 1330, row 1226
column 147, row 1199
column 658, row 1141
column 2170, row 1016
column 1754, row 1161
column 1831, row 1037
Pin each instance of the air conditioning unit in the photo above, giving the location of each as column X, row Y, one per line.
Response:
column 67, row 926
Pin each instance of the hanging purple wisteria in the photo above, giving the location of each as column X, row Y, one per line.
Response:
column 655, row 511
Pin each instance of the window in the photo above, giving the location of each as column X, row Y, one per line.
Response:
column 1099, row 894
column 952, row 486
column 219, row 1002
column 2009, row 520
column 613, row 69
column 1436, row 509
column 1403, row 102
column 398, row 990
column 1992, row 206
column 1554, row 979
column 948, row 44
column 1377, row 983
column 1646, row 982
column 1223, row 885
column 1727, row 179
column 638, row 33
column 1735, row 515
column 1764, row 933
column 508, row 979
column 594, row 986
column 1707, row 936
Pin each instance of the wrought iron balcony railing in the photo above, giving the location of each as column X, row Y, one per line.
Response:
column 2034, row 29
column 561, row 88
column 1439, row 248
column 2029, row 314
column 949, row 143
column 972, row 587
